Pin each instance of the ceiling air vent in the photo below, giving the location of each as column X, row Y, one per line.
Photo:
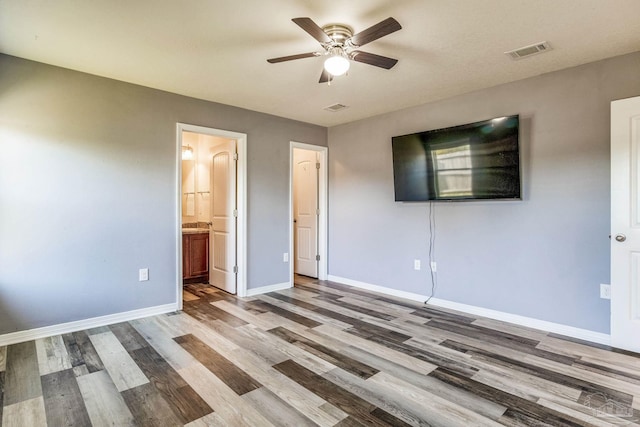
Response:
column 533, row 49
column 336, row 107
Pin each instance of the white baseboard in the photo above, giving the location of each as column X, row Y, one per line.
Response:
column 79, row 325
column 269, row 288
column 375, row 288
column 557, row 328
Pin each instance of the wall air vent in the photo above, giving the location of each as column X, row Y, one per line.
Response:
column 526, row 51
column 336, row 107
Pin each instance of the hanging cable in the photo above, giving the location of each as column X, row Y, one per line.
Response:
column 432, row 243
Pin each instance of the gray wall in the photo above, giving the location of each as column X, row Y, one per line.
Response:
column 543, row 257
column 88, row 192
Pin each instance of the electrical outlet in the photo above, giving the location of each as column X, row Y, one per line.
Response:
column 416, row 264
column 434, row 266
column 605, row 291
column 285, row 257
column 143, row 274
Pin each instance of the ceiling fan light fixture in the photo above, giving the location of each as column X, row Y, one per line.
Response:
column 337, row 65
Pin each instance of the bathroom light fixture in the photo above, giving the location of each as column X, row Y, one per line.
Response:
column 337, row 64
column 187, row 152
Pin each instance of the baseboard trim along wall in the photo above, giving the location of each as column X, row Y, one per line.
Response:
column 557, row 328
column 79, row 325
column 269, row 288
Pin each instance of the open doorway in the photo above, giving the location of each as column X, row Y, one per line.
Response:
column 308, row 208
column 211, row 238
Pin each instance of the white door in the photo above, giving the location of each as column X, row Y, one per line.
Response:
column 305, row 212
column 222, row 236
column 625, row 224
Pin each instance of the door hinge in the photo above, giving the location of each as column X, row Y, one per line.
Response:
column 317, row 257
column 235, row 269
column 235, row 156
column 235, row 213
column 318, row 165
column 317, row 211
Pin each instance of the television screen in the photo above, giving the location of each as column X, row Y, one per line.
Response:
column 473, row 161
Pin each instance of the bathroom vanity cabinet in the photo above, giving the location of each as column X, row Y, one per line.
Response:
column 195, row 257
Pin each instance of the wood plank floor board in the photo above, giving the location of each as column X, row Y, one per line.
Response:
column 287, row 314
column 422, row 381
column 624, row 367
column 337, row 359
column 358, row 320
column 89, row 356
column 281, row 301
column 417, row 353
column 523, row 331
column 182, row 399
column 387, row 391
column 248, row 338
column 123, row 370
column 337, row 396
column 357, row 307
column 105, row 405
column 431, row 313
column 73, row 350
column 629, row 377
column 519, row 383
column 495, row 337
column 306, row 359
column 304, row 401
column 148, row 407
column 392, row 311
column 276, row 410
column 63, row 401
column 25, row 413
column 517, row 407
column 250, row 316
column 319, row 353
column 221, row 367
column 98, row 330
column 380, row 350
column 22, row 377
column 130, row 339
column 161, row 339
column 206, row 311
column 52, row 355
column 231, row 408
column 571, row 348
column 541, row 368
column 584, row 413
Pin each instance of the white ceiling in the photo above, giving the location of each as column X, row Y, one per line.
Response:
column 217, row 49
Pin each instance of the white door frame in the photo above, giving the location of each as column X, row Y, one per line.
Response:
column 241, row 237
column 322, row 205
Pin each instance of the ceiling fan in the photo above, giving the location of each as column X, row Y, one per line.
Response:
column 340, row 45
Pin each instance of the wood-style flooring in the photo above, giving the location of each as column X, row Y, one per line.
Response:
column 319, row 354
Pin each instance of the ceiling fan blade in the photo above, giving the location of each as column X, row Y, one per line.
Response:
column 381, row 29
column 373, row 59
column 313, row 29
column 325, row 76
column 292, row 57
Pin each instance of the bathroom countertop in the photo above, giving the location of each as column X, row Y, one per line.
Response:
column 194, row 230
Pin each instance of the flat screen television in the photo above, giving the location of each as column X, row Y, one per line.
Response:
column 476, row 161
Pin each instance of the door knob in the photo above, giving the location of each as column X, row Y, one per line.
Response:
column 621, row 237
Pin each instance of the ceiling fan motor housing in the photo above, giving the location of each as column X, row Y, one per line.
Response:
column 339, row 33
